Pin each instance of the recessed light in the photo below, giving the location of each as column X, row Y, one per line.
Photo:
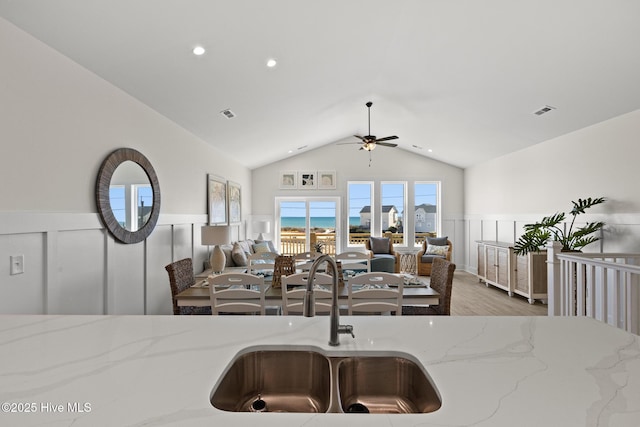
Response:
column 430, row 150
column 198, row 50
column 271, row 63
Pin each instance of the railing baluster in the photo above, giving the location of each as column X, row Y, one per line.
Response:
column 581, row 300
column 602, row 286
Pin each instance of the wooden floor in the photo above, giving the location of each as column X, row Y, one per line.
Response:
column 469, row 297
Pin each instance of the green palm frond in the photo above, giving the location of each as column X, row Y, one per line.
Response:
column 581, row 205
column 536, row 235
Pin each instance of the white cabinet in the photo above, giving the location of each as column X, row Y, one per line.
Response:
column 496, row 260
column 524, row 275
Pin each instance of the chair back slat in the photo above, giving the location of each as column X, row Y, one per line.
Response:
column 237, row 293
column 294, row 289
column 375, row 292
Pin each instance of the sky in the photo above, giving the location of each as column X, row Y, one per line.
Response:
column 360, row 196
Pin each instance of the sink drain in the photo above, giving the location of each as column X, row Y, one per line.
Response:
column 258, row 405
column 357, row 408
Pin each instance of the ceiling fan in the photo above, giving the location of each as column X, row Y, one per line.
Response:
column 369, row 142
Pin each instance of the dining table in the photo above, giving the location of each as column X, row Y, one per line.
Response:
column 417, row 292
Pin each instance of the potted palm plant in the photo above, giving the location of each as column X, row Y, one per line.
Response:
column 536, row 235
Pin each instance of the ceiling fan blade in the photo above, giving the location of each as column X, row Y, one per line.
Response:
column 388, row 138
column 386, row 144
column 349, row 143
column 360, row 137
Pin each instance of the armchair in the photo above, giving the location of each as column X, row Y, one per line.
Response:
column 383, row 257
column 424, row 258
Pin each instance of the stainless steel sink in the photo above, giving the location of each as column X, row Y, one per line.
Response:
column 293, row 379
column 275, row 381
column 385, row 385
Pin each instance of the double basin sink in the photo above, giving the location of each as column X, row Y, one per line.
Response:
column 296, row 379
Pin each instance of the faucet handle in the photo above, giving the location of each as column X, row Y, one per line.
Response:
column 346, row 329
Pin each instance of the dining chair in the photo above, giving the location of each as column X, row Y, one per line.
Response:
column 442, row 282
column 375, row 292
column 181, row 278
column 294, row 288
column 353, row 260
column 261, row 263
column 237, row 293
column 305, row 259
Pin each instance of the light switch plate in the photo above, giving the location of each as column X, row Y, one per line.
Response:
column 17, row 264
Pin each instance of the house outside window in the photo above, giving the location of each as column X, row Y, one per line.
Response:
column 360, row 199
column 393, row 196
column 427, row 210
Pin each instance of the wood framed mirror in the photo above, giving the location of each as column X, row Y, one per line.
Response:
column 126, row 181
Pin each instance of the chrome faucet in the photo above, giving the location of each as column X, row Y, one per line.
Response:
column 309, row 306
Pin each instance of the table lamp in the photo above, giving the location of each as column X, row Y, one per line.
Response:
column 216, row 235
column 263, row 227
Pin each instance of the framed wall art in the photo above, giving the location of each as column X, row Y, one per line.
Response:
column 288, row 180
column 327, row 180
column 307, row 179
column 217, row 200
column 235, row 203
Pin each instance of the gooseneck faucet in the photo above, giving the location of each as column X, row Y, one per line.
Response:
column 309, row 306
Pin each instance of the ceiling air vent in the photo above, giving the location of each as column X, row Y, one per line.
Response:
column 544, row 110
column 228, row 113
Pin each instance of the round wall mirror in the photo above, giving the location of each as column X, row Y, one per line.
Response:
column 128, row 195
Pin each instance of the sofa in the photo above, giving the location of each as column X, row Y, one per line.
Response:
column 237, row 253
column 433, row 247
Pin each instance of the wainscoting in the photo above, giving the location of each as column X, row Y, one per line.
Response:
column 73, row 266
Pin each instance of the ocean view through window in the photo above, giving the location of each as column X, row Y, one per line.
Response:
column 306, row 224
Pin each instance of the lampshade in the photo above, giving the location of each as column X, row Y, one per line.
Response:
column 262, row 227
column 216, row 235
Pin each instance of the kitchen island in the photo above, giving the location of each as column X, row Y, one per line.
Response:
column 161, row 370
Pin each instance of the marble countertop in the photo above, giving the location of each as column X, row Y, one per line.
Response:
column 160, row 370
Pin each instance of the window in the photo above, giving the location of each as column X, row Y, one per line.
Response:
column 392, row 210
column 131, row 204
column 394, row 215
column 360, row 221
column 427, row 210
column 307, row 221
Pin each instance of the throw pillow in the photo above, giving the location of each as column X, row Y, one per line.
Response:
column 259, row 248
column 227, row 249
column 269, row 243
column 379, row 245
column 238, row 255
column 437, row 250
column 246, row 245
column 437, row 241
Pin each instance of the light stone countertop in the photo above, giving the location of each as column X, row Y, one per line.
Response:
column 160, row 370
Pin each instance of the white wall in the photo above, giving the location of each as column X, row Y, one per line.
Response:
column 58, row 122
column 601, row 160
column 351, row 164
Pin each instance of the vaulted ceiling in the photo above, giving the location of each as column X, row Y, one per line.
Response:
column 461, row 78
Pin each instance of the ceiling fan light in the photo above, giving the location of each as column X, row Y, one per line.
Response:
column 369, row 146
